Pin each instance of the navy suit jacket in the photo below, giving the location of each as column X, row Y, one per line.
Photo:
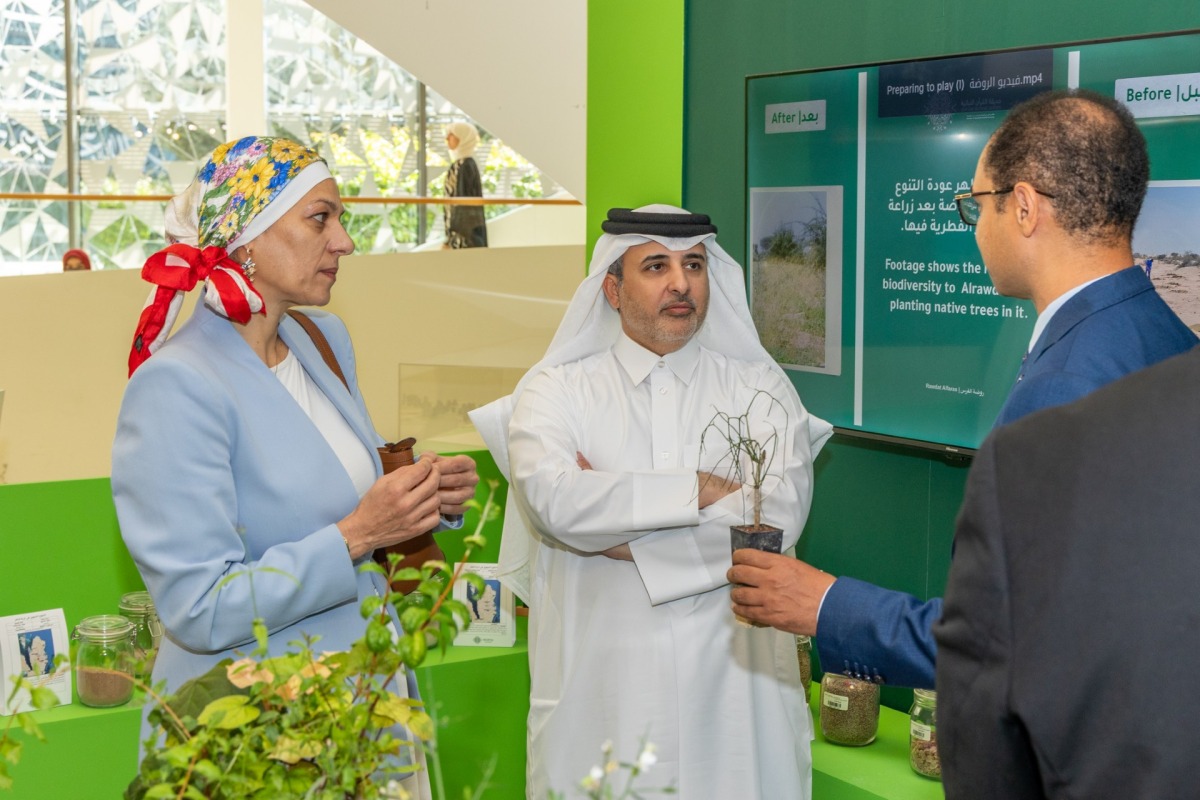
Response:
column 1113, row 327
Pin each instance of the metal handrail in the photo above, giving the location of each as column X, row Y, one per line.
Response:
column 446, row 201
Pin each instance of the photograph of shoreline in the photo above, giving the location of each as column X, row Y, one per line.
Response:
column 1166, row 243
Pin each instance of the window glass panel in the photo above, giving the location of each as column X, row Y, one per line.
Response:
column 149, row 95
column 327, row 87
column 33, row 110
column 149, row 86
column 151, row 105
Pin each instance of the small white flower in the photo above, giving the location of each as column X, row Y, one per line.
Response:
column 592, row 781
column 648, row 758
column 394, row 791
column 606, row 748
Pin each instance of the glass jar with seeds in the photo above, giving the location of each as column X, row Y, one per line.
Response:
column 849, row 709
column 804, row 658
column 922, row 734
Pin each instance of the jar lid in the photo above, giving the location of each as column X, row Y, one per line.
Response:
column 136, row 603
column 104, row 627
column 928, row 695
column 842, row 676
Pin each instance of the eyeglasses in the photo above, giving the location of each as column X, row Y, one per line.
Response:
column 968, row 206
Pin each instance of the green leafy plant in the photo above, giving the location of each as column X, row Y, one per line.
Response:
column 306, row 724
column 311, row 724
column 747, row 458
column 40, row 698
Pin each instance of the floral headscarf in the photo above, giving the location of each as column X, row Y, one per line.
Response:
column 243, row 188
column 240, row 179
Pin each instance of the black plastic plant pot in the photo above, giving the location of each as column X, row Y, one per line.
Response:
column 765, row 538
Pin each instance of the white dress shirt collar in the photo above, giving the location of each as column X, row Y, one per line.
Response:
column 637, row 361
column 1044, row 318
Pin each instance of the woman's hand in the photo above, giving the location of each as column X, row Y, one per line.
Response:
column 399, row 506
column 458, row 480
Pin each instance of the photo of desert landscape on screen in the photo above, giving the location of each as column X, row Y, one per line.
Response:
column 1166, row 242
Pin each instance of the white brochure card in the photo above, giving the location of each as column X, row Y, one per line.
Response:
column 29, row 644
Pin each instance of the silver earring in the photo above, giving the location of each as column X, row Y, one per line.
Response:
column 248, row 267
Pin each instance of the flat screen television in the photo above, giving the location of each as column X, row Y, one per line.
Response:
column 864, row 283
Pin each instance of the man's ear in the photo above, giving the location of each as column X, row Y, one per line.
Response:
column 612, row 290
column 1026, row 207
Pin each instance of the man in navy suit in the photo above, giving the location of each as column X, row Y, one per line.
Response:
column 1055, row 197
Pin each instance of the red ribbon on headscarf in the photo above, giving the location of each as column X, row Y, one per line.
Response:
column 178, row 268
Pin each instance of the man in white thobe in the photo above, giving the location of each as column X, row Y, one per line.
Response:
column 618, row 533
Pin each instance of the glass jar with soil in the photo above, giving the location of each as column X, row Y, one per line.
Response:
column 922, row 734
column 104, row 660
column 849, row 710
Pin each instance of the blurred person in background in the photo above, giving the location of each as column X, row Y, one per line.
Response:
column 465, row 226
column 75, row 261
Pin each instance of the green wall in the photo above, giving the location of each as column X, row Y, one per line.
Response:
column 635, row 106
column 883, row 514
column 62, row 549
column 62, row 546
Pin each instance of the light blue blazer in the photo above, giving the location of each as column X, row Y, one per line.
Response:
column 218, row 473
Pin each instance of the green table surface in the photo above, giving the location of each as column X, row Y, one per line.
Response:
column 878, row 770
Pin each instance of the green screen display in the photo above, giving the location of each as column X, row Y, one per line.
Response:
column 864, row 282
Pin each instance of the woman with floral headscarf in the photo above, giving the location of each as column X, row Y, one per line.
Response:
column 465, row 226
column 245, row 473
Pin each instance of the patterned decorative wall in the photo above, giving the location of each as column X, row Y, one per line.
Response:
column 149, row 81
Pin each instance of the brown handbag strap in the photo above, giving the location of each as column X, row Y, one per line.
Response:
column 321, row 342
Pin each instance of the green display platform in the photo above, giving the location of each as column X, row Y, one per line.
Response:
column 480, row 699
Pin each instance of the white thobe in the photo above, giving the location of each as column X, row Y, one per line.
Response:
column 649, row 650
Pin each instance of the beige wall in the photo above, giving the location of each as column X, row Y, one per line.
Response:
column 525, row 226
column 64, row 342
column 486, row 313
